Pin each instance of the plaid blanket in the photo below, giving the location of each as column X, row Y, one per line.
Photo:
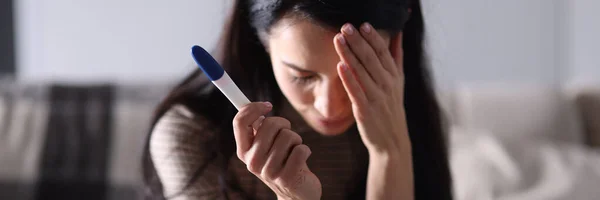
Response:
column 73, row 142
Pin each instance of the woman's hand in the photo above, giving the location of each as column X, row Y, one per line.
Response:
column 374, row 80
column 274, row 153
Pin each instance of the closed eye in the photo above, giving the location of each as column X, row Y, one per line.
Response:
column 302, row 80
column 306, row 77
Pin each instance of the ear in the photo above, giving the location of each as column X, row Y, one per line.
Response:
column 396, row 48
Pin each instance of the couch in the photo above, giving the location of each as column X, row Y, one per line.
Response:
column 85, row 141
column 524, row 141
column 73, row 141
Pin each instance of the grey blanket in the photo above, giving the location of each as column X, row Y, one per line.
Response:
column 74, row 161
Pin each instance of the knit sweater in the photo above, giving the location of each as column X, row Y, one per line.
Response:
column 179, row 146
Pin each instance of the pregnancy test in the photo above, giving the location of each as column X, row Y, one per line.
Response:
column 219, row 77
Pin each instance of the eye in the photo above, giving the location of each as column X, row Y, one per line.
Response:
column 303, row 80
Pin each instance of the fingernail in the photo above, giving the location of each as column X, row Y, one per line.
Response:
column 348, row 29
column 341, row 38
column 344, row 66
column 366, row 27
column 268, row 104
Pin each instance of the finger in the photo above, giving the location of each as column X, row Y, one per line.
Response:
column 365, row 53
column 349, row 58
column 242, row 122
column 397, row 52
column 351, row 84
column 257, row 123
column 294, row 165
column 263, row 141
column 284, row 142
column 382, row 50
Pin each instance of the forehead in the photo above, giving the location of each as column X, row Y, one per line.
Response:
column 297, row 39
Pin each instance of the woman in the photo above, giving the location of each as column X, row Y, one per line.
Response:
column 344, row 109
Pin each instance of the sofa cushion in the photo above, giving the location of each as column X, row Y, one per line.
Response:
column 517, row 111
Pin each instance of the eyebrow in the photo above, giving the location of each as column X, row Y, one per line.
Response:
column 296, row 67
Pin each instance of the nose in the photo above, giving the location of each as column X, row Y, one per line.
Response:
column 331, row 99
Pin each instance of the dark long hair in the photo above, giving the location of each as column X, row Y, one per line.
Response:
column 242, row 54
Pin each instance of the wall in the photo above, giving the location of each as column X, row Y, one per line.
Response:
column 472, row 41
column 113, row 40
column 584, row 42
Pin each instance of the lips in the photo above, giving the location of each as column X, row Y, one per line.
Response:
column 333, row 122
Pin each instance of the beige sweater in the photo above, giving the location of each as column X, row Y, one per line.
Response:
column 178, row 147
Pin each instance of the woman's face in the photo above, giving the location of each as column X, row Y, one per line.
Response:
column 304, row 62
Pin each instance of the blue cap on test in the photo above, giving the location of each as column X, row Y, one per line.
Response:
column 207, row 63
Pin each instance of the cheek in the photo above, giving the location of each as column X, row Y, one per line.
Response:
column 299, row 96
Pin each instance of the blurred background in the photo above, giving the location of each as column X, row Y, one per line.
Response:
column 519, row 81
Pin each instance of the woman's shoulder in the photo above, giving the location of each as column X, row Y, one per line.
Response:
column 180, row 126
column 178, row 115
